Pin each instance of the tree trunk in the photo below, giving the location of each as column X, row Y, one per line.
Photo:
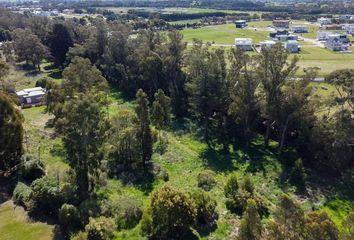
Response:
column 266, row 138
column 282, row 139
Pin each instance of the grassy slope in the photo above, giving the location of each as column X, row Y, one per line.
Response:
column 14, row 225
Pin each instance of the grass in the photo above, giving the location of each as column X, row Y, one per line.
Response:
column 223, row 34
column 15, row 225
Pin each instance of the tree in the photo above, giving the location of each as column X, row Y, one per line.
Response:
column 288, row 220
column 273, row 69
column 11, row 134
column 172, row 213
column 294, row 102
column 83, row 126
column 28, row 47
column 207, row 89
column 160, row 114
column 206, row 208
column 244, row 103
column 251, row 227
column 144, row 131
column 82, row 76
column 4, row 71
column 60, row 42
column 100, row 228
column 124, row 154
column 320, row 227
column 174, row 73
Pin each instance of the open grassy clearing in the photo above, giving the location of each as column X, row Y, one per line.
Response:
column 224, row 34
column 15, row 225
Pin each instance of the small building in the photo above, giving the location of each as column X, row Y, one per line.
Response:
column 346, row 18
column 299, row 29
column 322, row 36
column 324, row 21
column 292, row 46
column 337, row 42
column 333, row 27
column 240, row 23
column 31, row 96
column 281, row 23
column 244, row 44
column 349, row 29
column 267, row 44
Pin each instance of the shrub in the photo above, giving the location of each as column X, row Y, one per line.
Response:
column 32, row 168
column 126, row 211
column 69, row 193
column 21, row 194
column 206, row 208
column 42, row 82
column 89, row 208
column 206, row 180
column 318, row 225
column 69, row 217
column 100, row 228
column 146, row 223
column 172, row 213
column 46, row 195
column 79, row 236
column 298, row 175
column 231, row 187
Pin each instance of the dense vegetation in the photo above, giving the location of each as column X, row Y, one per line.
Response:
column 230, row 100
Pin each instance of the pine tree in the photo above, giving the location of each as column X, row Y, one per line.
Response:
column 161, row 109
column 251, row 227
column 144, row 131
column 60, row 42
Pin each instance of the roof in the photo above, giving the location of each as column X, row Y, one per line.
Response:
column 30, row 92
column 293, row 42
column 268, row 42
column 36, row 93
column 243, row 40
column 240, row 21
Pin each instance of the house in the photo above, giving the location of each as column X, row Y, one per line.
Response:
column 332, row 27
column 299, row 29
column 241, row 23
column 346, row 18
column 349, row 29
column 281, row 23
column 292, row 46
column 244, row 44
column 337, row 42
column 31, row 96
column 322, row 36
column 267, row 44
column 324, row 21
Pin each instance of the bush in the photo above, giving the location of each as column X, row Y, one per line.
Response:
column 206, row 208
column 69, row 193
column 22, row 194
column 173, row 212
column 231, row 187
column 126, row 211
column 298, row 175
column 101, row 228
column 89, row 208
column 79, row 236
column 32, row 168
column 46, row 195
column 42, row 82
column 146, row 223
column 69, row 217
column 206, row 180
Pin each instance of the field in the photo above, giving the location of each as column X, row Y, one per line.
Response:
column 223, row 34
column 15, row 225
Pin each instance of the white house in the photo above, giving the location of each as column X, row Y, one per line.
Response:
column 31, row 96
column 299, row 29
column 240, row 23
column 322, row 36
column 337, row 42
column 267, row 44
column 346, row 17
column 244, row 44
column 349, row 29
column 324, row 21
column 292, row 46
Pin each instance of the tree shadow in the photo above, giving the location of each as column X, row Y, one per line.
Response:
column 206, row 230
column 219, row 160
column 58, row 151
column 56, row 74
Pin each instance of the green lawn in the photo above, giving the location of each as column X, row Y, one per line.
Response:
column 14, row 225
column 224, row 34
